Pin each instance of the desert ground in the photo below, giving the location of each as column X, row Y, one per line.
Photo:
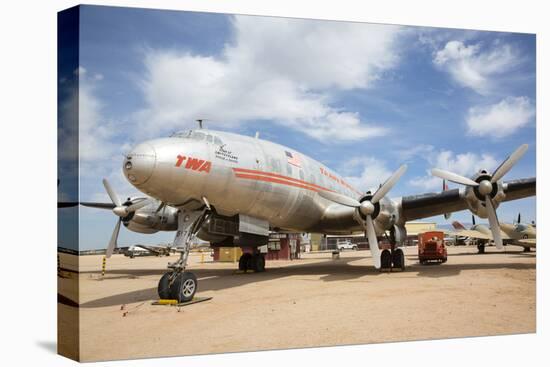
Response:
column 313, row 301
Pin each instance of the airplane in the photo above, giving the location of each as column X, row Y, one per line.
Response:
column 518, row 234
column 232, row 190
column 478, row 234
column 521, row 234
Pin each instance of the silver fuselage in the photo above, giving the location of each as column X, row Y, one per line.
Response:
column 245, row 175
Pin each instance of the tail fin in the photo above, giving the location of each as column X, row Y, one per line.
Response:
column 458, row 226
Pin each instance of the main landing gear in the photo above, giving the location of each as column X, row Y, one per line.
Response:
column 255, row 262
column 177, row 283
column 394, row 258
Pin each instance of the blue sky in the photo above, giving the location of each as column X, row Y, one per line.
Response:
column 360, row 98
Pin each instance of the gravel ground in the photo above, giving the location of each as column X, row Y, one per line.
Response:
column 314, row 301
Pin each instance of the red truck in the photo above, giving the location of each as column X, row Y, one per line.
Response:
column 431, row 247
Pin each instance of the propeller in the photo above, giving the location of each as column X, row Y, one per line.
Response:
column 122, row 210
column 485, row 187
column 367, row 208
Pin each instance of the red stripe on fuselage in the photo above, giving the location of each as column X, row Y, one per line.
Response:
column 244, row 171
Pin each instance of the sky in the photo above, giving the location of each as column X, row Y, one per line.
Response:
column 361, row 98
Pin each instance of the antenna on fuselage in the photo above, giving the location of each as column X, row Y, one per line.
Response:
column 200, row 122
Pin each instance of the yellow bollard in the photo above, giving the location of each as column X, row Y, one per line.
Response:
column 202, row 257
column 103, row 266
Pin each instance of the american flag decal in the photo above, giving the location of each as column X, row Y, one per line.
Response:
column 293, row 159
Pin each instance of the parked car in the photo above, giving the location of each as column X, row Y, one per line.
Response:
column 346, row 245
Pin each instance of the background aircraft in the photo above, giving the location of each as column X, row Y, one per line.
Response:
column 521, row 234
column 518, row 234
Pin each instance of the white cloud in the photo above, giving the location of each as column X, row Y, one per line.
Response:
column 418, row 150
column 95, row 130
column 474, row 68
column 372, row 173
column 465, row 164
column 500, row 119
column 275, row 69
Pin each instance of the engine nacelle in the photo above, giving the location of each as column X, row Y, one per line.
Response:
column 476, row 201
column 148, row 220
column 385, row 215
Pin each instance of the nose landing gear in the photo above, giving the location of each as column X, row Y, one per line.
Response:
column 177, row 283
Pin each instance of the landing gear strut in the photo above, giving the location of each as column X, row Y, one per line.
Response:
column 255, row 262
column 481, row 248
column 177, row 283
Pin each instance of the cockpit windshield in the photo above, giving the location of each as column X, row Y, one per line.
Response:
column 197, row 135
column 521, row 227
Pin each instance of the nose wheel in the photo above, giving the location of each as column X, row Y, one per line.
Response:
column 177, row 283
column 180, row 286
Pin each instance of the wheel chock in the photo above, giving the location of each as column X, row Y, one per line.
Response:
column 174, row 302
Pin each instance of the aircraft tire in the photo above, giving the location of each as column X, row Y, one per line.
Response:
column 164, row 286
column 398, row 259
column 245, row 262
column 385, row 259
column 480, row 249
column 258, row 263
column 183, row 288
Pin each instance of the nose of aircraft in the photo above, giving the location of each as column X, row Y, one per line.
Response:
column 139, row 164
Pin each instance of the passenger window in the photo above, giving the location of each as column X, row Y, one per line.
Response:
column 289, row 170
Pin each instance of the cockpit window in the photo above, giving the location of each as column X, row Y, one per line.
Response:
column 197, row 135
column 521, row 227
column 181, row 134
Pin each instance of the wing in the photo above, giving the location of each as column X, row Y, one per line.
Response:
column 471, row 234
column 428, row 205
column 529, row 242
column 99, row 205
column 66, row 204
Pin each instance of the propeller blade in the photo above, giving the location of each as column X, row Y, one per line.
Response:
column 509, row 163
column 138, row 205
column 206, row 202
column 112, row 193
column 493, row 221
column 387, row 186
column 112, row 242
column 339, row 198
column 453, row 177
column 519, row 218
column 373, row 242
column 473, row 220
